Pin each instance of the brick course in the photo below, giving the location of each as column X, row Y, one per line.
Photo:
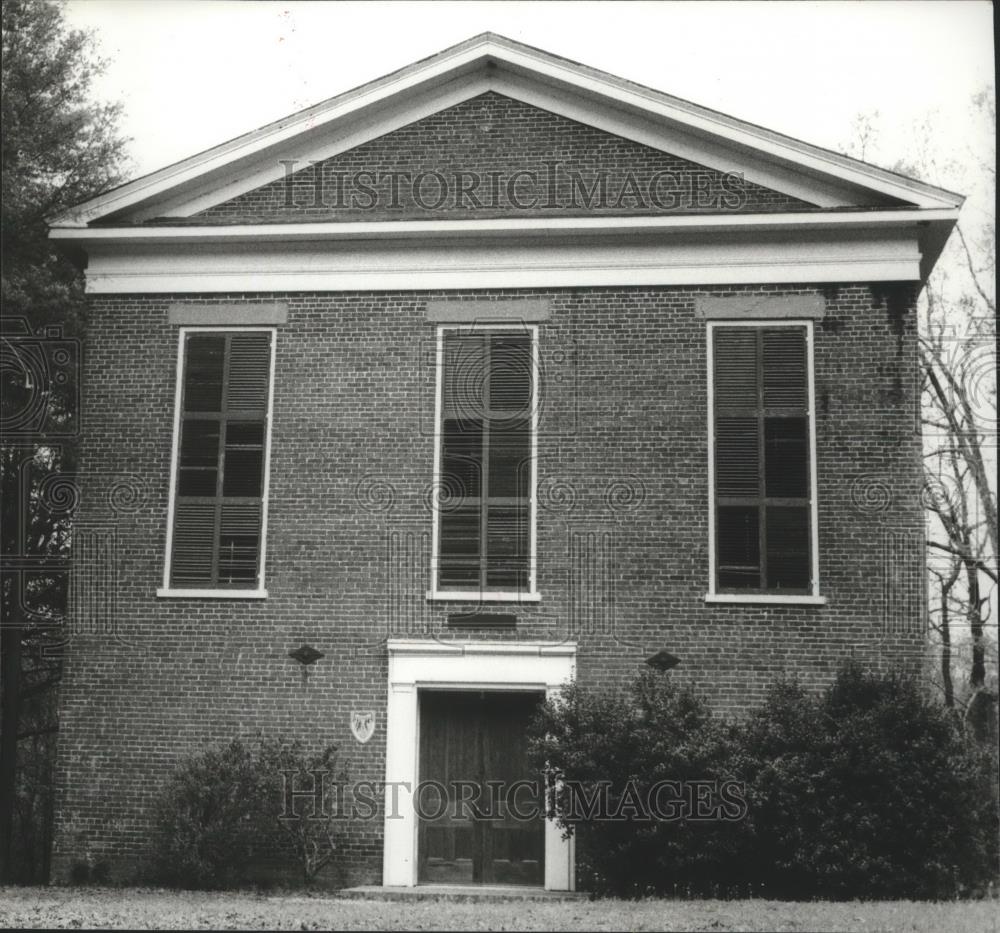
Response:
column 493, row 133
column 622, row 531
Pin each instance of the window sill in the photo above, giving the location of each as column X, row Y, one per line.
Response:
column 765, row 599
column 478, row 596
column 166, row 593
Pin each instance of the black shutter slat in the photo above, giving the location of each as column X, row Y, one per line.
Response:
column 465, row 376
column 459, row 560
column 193, row 544
column 510, row 375
column 735, row 364
column 785, row 367
column 737, row 460
column 239, row 542
column 249, row 370
column 507, row 547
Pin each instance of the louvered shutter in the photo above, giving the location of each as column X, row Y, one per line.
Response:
column 761, row 431
column 218, row 513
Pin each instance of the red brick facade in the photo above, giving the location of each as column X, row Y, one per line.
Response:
column 622, row 530
column 495, row 134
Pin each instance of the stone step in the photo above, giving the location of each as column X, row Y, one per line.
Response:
column 456, row 892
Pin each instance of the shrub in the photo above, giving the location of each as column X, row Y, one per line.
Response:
column 222, row 813
column 615, row 750
column 868, row 791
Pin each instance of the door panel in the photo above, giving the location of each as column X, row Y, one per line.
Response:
column 468, row 835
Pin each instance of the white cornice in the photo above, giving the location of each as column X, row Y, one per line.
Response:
column 577, row 256
column 500, row 226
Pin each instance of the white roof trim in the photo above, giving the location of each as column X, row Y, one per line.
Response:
column 516, row 226
column 540, row 69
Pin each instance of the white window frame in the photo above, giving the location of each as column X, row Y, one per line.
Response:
column 209, row 592
column 713, row 596
column 531, row 594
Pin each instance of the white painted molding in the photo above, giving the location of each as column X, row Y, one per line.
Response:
column 749, row 598
column 486, row 596
column 167, row 593
column 711, row 258
column 422, row 664
column 494, row 226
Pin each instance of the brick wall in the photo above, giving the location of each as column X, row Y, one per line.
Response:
column 622, row 531
column 495, row 134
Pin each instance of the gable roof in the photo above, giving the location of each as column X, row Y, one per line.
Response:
column 489, row 62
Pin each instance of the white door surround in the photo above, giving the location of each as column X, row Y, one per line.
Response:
column 415, row 664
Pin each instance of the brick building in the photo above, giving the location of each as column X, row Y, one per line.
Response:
column 492, row 373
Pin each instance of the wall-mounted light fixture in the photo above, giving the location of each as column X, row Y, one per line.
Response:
column 663, row 660
column 306, row 655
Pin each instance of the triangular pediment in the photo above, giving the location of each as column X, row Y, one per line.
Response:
column 494, row 105
column 494, row 156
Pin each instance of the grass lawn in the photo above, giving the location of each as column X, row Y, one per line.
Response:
column 135, row 908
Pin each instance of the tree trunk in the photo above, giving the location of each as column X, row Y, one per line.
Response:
column 949, row 688
column 10, row 665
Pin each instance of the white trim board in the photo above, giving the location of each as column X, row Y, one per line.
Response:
column 889, row 255
column 545, row 667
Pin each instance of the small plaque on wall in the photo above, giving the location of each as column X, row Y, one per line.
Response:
column 482, row 620
column 363, row 724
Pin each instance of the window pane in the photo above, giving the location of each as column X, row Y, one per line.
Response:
column 507, row 547
column 785, row 378
column 199, row 458
column 510, row 459
column 510, row 374
column 462, row 457
column 738, row 547
column 788, row 556
column 243, row 474
column 460, row 547
column 203, row 372
column 737, row 467
column 245, row 433
column 786, row 457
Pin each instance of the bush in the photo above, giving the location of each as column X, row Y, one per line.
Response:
column 615, row 750
column 221, row 814
column 869, row 791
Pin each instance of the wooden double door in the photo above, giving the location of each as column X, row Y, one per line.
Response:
column 480, row 809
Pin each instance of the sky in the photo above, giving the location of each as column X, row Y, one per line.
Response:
column 195, row 73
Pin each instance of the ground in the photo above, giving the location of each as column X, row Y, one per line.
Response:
column 117, row 908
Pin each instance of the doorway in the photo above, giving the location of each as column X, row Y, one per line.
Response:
column 480, row 809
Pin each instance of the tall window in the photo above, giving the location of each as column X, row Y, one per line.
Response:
column 218, row 517
column 485, row 509
column 762, row 440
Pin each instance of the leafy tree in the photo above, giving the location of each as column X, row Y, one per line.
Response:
column 59, row 147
